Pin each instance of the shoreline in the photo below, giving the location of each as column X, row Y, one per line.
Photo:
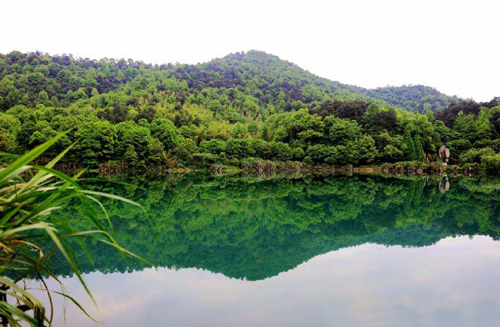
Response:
column 269, row 168
column 264, row 167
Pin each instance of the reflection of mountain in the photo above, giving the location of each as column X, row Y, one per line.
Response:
column 257, row 229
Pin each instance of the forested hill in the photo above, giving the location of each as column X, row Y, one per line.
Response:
column 247, row 110
column 36, row 77
column 411, row 97
column 284, row 84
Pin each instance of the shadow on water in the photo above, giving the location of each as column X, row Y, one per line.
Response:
column 252, row 229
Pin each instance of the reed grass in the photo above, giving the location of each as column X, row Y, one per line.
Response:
column 28, row 195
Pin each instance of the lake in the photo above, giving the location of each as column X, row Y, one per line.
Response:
column 311, row 251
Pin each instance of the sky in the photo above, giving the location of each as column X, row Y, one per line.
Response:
column 452, row 45
column 453, row 283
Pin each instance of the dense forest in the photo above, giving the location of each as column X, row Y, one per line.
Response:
column 240, row 110
column 252, row 228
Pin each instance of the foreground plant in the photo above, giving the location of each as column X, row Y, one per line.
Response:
column 28, row 237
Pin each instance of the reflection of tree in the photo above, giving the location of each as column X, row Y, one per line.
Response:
column 246, row 228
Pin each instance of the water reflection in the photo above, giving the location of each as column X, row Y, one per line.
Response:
column 444, row 184
column 256, row 229
column 306, row 252
column 454, row 283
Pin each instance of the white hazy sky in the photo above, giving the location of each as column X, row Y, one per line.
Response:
column 452, row 45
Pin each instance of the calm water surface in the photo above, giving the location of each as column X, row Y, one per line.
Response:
column 337, row 251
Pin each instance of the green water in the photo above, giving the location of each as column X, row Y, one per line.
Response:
column 346, row 251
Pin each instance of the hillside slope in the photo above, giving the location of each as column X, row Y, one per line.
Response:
column 273, row 80
column 36, row 78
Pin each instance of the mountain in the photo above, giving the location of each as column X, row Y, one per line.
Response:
column 268, row 77
column 33, row 78
column 239, row 110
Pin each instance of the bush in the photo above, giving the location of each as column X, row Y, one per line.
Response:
column 459, row 145
column 491, row 162
column 475, row 155
column 316, row 153
column 297, row 153
column 281, row 151
column 214, row 146
column 494, row 144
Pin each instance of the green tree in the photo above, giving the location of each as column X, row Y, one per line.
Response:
column 42, row 98
column 419, row 150
column 10, row 127
column 97, row 140
column 342, row 131
column 156, row 152
column 165, row 131
column 253, row 128
column 411, row 152
column 367, row 152
column 238, row 131
column 465, row 127
column 131, row 157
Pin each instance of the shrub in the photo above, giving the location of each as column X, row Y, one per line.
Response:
column 491, row 162
column 475, row 155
